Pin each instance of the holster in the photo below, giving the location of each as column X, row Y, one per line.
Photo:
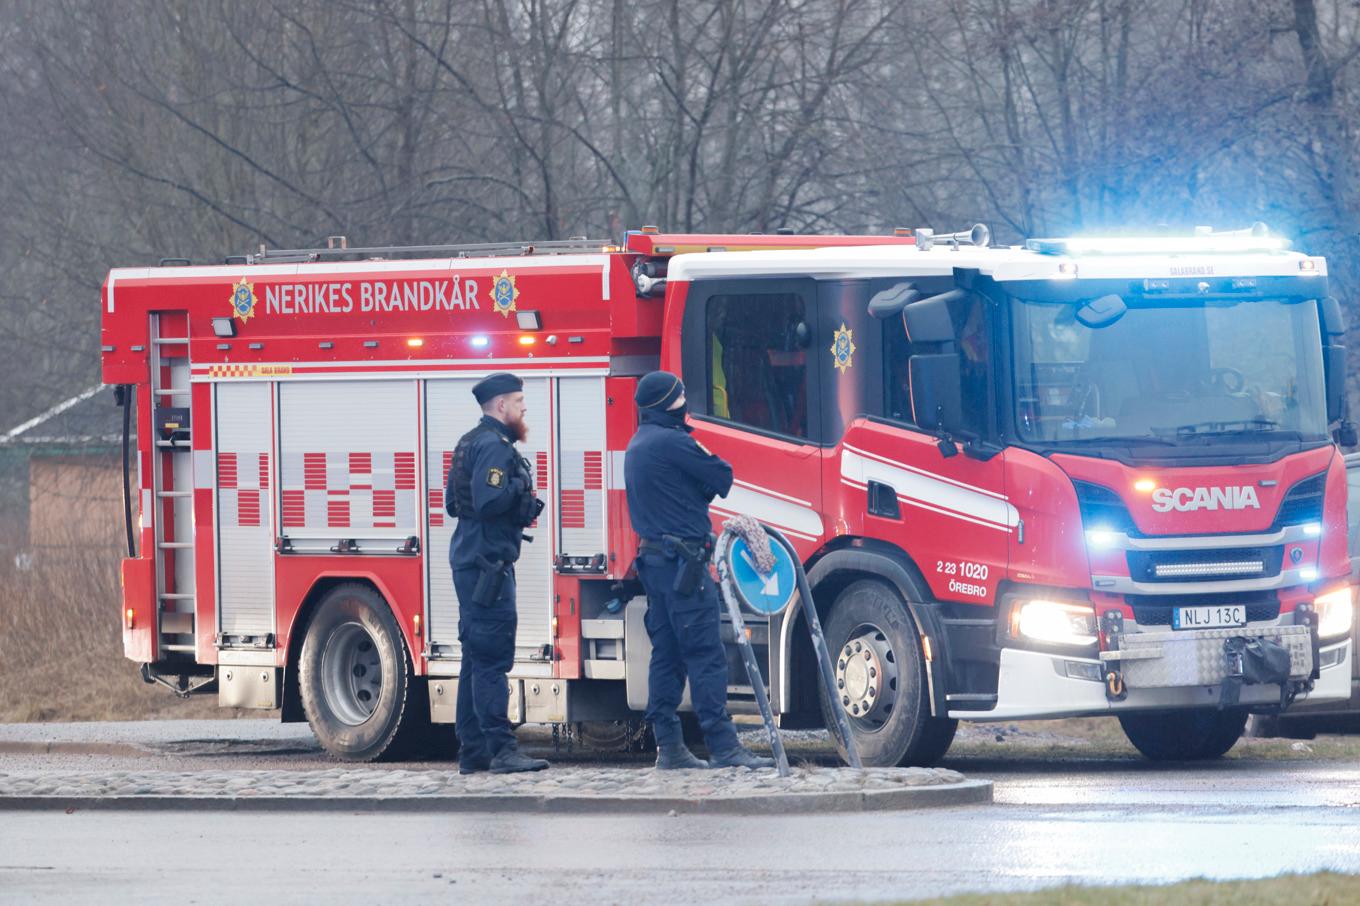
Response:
column 492, row 574
column 693, row 561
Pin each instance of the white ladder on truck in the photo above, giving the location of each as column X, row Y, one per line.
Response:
column 172, row 504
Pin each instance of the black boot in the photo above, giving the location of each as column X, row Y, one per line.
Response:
column 677, row 757
column 474, row 764
column 738, row 757
column 510, row 760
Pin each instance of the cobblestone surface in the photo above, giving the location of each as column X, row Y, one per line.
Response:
column 368, row 783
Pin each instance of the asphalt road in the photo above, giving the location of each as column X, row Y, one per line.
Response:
column 1110, row 820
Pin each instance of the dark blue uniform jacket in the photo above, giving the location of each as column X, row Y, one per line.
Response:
column 498, row 482
column 670, row 479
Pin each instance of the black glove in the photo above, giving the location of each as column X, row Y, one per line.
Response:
column 528, row 509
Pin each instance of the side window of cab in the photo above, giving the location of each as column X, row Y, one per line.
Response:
column 749, row 345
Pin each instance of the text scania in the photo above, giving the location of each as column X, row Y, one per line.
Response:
column 398, row 295
column 1186, row 500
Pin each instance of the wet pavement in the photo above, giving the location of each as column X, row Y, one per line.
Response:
column 1089, row 820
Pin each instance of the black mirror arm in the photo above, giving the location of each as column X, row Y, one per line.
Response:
column 949, row 443
column 975, row 447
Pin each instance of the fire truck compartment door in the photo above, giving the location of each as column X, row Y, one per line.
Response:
column 580, row 468
column 348, row 457
column 244, row 440
column 450, row 412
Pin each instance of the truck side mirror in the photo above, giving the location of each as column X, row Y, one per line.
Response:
column 936, row 394
column 928, row 321
column 1334, row 364
column 1333, row 322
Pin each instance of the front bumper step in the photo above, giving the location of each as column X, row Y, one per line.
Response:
column 1194, row 657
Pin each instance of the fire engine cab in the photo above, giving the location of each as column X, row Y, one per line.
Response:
column 1073, row 477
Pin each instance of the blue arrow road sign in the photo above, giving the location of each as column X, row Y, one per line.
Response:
column 763, row 593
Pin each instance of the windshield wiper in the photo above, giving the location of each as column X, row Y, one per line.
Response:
column 1204, row 429
column 1109, row 440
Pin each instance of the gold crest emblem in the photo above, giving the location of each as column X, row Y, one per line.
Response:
column 243, row 300
column 495, row 477
column 843, row 349
column 504, row 293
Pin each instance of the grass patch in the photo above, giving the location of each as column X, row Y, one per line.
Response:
column 1321, row 889
column 61, row 646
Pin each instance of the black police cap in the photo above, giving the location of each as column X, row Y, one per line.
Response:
column 493, row 385
column 658, row 390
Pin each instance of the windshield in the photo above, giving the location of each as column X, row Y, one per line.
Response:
column 1169, row 372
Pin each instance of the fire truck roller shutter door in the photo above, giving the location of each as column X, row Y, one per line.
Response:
column 580, row 458
column 450, row 412
column 348, row 452
column 243, row 438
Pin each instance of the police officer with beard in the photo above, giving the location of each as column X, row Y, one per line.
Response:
column 670, row 481
column 490, row 491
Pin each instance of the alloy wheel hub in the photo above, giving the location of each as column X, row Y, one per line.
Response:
column 866, row 677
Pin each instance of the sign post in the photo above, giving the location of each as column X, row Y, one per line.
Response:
column 741, row 583
column 770, row 594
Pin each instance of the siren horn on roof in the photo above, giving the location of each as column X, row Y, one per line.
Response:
column 979, row 236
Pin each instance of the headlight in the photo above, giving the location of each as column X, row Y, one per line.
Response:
column 1335, row 612
column 1058, row 622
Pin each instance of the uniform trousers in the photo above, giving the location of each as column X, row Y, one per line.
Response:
column 686, row 642
column 487, row 636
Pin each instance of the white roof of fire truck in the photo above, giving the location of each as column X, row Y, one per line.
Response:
column 1205, row 254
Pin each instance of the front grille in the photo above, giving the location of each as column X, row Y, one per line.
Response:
column 1205, row 565
column 1155, row 610
column 1303, row 503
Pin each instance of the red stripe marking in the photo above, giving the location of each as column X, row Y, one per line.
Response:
column 294, row 508
column 541, row 467
column 314, row 471
column 337, row 514
column 573, row 509
column 405, row 467
column 226, row 471
column 594, row 467
column 361, row 462
column 384, row 504
column 264, row 471
column 248, row 508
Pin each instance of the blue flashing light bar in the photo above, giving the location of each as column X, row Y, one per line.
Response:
column 1208, row 243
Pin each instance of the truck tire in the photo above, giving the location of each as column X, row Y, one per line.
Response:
column 881, row 679
column 1184, row 735
column 355, row 678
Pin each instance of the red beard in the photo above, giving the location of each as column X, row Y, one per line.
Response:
column 519, row 428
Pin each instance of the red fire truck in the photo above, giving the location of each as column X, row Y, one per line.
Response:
column 1039, row 481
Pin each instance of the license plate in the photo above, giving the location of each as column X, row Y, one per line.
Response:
column 1209, row 617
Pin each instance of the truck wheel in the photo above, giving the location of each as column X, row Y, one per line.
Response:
column 881, row 680
column 1184, row 735
column 354, row 676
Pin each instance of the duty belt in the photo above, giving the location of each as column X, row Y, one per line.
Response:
column 659, row 547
